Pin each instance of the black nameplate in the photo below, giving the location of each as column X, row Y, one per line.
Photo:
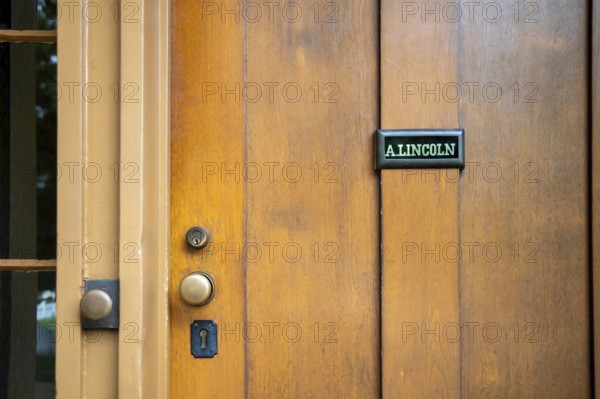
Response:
column 421, row 148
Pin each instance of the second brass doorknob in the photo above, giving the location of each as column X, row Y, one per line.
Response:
column 96, row 305
column 197, row 289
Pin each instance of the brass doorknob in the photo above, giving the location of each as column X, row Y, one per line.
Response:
column 96, row 305
column 197, row 289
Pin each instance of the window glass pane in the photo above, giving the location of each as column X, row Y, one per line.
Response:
column 45, row 336
column 46, row 13
column 45, row 103
column 28, row 99
column 27, row 333
column 29, row 14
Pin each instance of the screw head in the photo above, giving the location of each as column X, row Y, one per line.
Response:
column 197, row 237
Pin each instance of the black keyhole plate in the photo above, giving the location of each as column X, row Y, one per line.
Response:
column 203, row 347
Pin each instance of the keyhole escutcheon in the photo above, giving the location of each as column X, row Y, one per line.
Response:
column 203, row 335
column 204, row 339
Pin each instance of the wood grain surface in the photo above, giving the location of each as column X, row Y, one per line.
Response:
column 532, row 299
column 205, row 134
column 484, row 282
column 321, row 208
column 419, row 213
column 515, row 80
column 271, row 134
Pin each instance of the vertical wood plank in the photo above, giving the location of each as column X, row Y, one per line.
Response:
column 207, row 136
column 419, row 210
column 524, row 202
column 315, row 300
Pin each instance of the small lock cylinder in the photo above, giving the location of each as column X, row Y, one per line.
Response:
column 197, row 237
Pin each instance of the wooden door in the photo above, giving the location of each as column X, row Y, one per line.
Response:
column 333, row 280
column 273, row 110
column 486, row 275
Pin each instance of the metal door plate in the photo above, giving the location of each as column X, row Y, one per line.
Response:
column 111, row 287
column 210, row 347
column 420, row 148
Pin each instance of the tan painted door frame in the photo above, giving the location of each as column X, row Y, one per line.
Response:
column 109, row 49
column 132, row 49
